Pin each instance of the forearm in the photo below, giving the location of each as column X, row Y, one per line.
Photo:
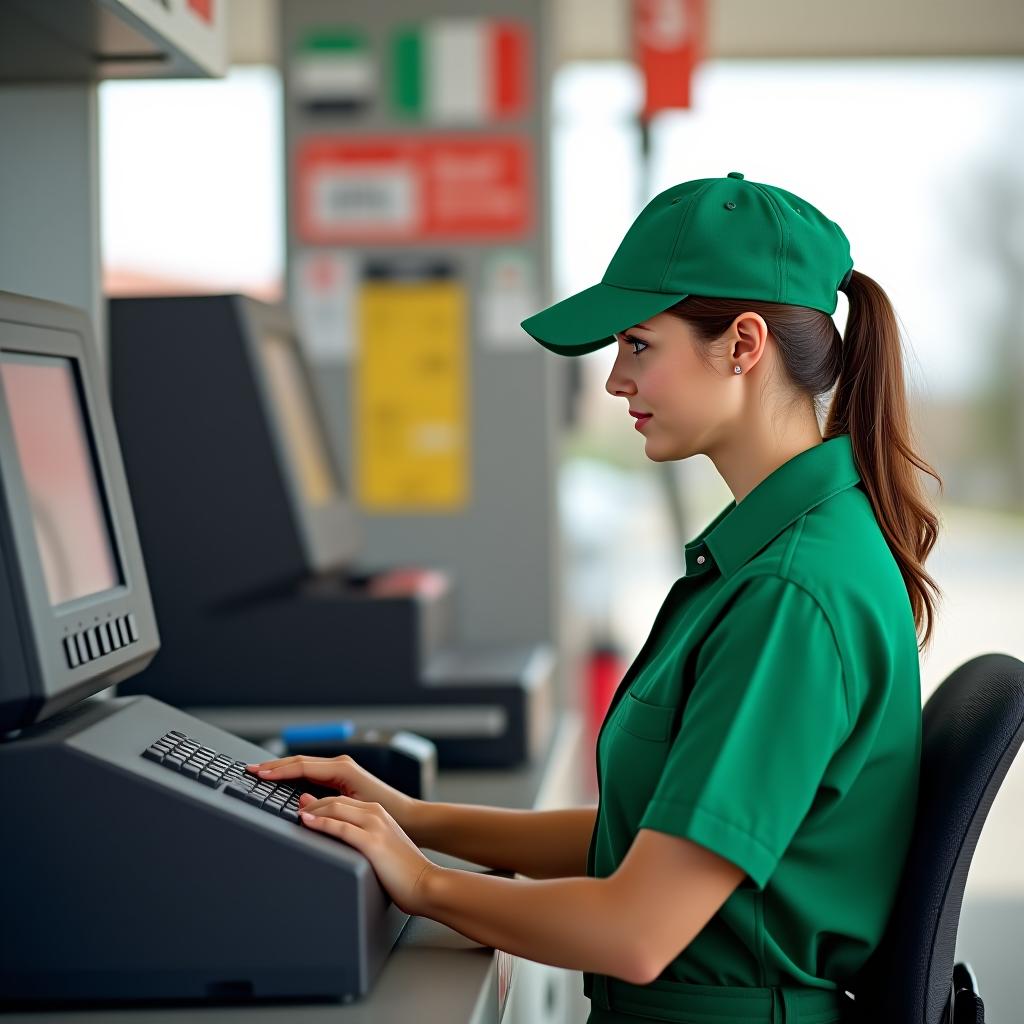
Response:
column 568, row 922
column 539, row 844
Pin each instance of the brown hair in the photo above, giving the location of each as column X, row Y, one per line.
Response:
column 869, row 404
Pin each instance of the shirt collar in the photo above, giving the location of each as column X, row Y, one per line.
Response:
column 740, row 531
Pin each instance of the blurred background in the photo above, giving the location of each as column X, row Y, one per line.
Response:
column 902, row 122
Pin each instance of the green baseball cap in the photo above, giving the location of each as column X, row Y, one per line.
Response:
column 720, row 237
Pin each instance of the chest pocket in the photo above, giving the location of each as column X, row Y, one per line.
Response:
column 631, row 758
column 645, row 721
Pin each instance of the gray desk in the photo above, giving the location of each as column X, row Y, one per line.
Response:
column 434, row 975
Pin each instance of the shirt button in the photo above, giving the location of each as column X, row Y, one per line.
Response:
column 700, row 559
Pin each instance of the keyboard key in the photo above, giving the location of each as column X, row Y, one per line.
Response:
column 191, row 769
column 290, row 813
column 258, row 795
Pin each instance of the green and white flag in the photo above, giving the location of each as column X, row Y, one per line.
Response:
column 333, row 71
column 460, row 70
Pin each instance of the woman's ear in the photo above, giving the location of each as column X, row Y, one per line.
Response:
column 749, row 335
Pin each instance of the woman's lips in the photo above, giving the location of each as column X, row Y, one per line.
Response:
column 641, row 419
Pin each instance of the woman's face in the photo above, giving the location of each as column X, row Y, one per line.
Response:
column 689, row 405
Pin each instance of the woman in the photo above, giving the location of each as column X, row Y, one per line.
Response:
column 758, row 766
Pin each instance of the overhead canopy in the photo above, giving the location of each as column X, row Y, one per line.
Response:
column 600, row 29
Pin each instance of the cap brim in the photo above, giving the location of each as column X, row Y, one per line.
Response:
column 589, row 320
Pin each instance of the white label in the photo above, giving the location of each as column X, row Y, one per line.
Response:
column 385, row 197
column 324, row 291
column 508, row 295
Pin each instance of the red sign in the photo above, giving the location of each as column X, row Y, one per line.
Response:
column 387, row 189
column 668, row 39
column 203, row 8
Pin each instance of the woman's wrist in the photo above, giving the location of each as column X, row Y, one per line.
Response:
column 415, row 818
column 429, row 890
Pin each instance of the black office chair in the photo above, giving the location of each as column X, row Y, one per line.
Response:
column 973, row 725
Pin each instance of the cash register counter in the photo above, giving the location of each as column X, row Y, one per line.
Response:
column 434, row 975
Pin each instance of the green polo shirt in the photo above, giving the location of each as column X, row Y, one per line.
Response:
column 774, row 717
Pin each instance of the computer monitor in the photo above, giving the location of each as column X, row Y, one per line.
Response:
column 75, row 609
column 226, row 371
column 327, row 517
column 295, row 405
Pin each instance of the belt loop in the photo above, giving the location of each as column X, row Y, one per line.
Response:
column 785, row 1006
column 599, row 992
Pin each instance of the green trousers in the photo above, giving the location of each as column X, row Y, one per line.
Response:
column 617, row 1002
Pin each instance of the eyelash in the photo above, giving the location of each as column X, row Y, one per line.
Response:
column 630, row 340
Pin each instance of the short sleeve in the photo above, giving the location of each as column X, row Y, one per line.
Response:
column 767, row 712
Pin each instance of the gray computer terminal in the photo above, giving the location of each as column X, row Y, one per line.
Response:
column 138, row 860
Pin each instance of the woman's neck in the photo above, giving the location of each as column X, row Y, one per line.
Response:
column 755, row 455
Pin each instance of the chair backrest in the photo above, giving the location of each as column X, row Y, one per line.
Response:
column 972, row 727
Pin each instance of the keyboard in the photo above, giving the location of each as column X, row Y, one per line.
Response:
column 189, row 757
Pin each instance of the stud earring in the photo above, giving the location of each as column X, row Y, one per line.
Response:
column 736, row 369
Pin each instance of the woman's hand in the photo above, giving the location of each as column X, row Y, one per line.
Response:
column 343, row 774
column 368, row 827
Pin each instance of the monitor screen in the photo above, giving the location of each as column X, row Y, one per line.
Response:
column 71, row 529
column 298, row 420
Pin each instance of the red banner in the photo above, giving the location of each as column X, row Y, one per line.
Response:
column 669, row 42
column 387, row 189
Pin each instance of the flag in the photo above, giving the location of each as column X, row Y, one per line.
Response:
column 334, row 72
column 461, row 70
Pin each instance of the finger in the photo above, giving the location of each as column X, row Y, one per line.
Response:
column 375, row 809
column 299, row 759
column 313, row 804
column 278, row 762
column 346, row 831
column 274, row 762
column 343, row 809
column 305, row 798
column 324, row 771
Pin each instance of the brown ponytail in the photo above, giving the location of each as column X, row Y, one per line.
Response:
column 869, row 404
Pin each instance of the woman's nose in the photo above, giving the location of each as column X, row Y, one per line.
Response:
column 619, row 384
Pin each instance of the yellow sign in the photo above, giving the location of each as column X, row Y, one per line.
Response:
column 410, row 408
